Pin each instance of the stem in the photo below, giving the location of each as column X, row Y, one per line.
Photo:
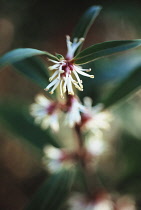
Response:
column 81, row 151
column 82, row 162
column 79, row 137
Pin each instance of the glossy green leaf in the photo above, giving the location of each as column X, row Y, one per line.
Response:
column 85, row 22
column 17, row 120
column 34, row 69
column 59, row 56
column 127, row 86
column 105, row 49
column 53, row 192
column 21, row 54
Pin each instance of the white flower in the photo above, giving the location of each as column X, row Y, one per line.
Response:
column 73, row 115
column 125, row 203
column 81, row 202
column 98, row 119
column 45, row 112
column 65, row 70
column 56, row 159
column 95, row 146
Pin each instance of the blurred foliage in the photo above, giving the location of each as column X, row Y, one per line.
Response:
column 17, row 119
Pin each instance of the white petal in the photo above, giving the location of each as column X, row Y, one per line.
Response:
column 53, row 76
column 54, row 122
column 61, row 89
column 53, row 67
column 42, row 100
column 51, row 84
column 78, row 79
column 84, row 74
column 55, row 86
column 69, row 86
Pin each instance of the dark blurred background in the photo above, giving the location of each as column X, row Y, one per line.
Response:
column 43, row 24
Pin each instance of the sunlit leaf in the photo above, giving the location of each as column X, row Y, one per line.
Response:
column 85, row 22
column 17, row 120
column 53, row 192
column 105, row 49
column 21, row 54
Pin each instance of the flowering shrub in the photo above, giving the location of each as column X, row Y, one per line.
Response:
column 53, row 113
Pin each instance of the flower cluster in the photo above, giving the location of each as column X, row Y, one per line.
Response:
column 47, row 112
column 56, row 159
column 103, row 201
column 66, row 72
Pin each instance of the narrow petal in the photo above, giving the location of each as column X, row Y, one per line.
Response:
column 54, row 67
column 69, row 86
column 51, row 84
column 84, row 74
column 61, row 89
column 55, row 86
column 53, row 76
column 78, row 79
column 65, row 83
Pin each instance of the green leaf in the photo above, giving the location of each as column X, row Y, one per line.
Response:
column 128, row 85
column 105, row 49
column 85, row 22
column 53, row 192
column 34, row 69
column 129, row 156
column 59, row 56
column 16, row 118
column 21, row 54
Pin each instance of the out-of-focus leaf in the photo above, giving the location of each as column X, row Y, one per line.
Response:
column 85, row 22
column 128, row 85
column 34, row 69
column 130, row 150
column 108, row 72
column 17, row 120
column 114, row 68
column 53, row 192
column 21, row 54
column 105, row 49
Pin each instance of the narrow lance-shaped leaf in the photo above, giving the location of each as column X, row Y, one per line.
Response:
column 21, row 54
column 34, row 69
column 85, row 22
column 17, row 120
column 105, row 49
column 128, row 85
column 53, row 192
